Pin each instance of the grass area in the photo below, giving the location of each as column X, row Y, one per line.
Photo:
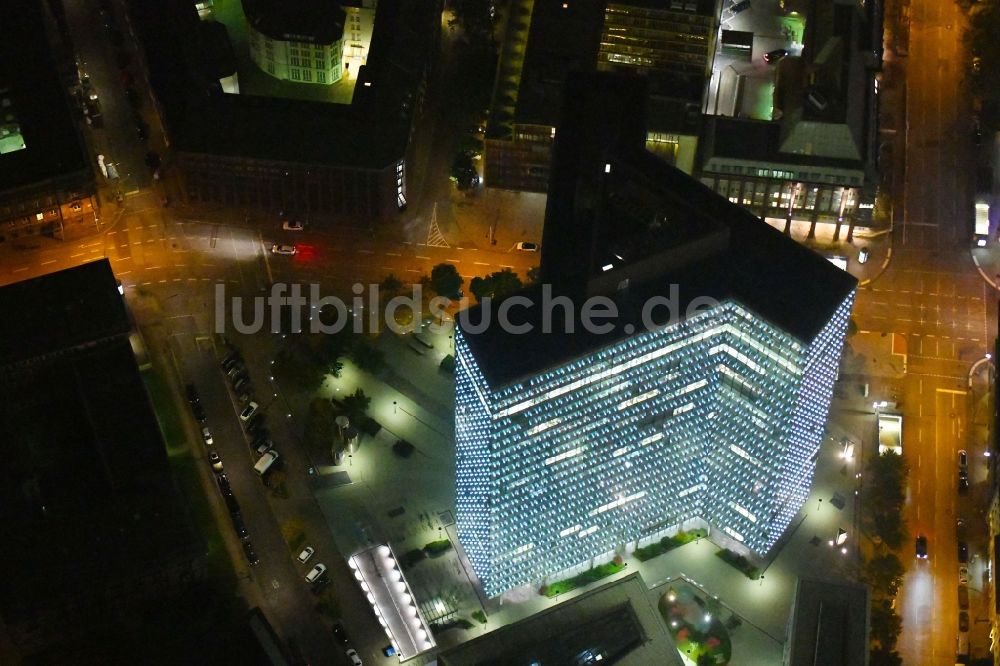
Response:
column 739, row 562
column 479, row 616
column 698, row 643
column 166, row 413
column 328, row 606
column 668, row 543
column 188, row 482
column 294, row 532
column 587, row 577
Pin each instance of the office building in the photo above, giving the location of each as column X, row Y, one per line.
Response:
column 96, row 533
column 574, row 444
column 337, row 153
column 828, row 625
column 47, row 184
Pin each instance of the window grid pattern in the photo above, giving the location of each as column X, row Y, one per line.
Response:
column 708, row 418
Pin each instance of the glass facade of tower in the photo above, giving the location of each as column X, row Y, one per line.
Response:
column 714, row 418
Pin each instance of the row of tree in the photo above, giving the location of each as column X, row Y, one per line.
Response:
column 884, row 495
column 984, row 26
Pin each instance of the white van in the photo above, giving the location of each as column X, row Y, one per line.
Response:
column 265, row 462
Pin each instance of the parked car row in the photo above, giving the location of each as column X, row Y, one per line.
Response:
column 221, row 480
column 251, row 416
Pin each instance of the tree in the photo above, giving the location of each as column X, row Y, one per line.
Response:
column 391, row 286
column 481, row 287
column 534, row 274
column 497, row 285
column 446, row 281
column 474, row 17
column 885, row 625
column 463, row 171
column 884, row 573
column 885, row 492
column 883, row 657
column 356, row 404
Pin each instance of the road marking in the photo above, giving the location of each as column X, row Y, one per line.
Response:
column 123, row 245
column 22, row 268
column 427, row 258
column 151, row 240
column 50, row 261
column 162, row 281
column 943, row 390
column 153, row 268
column 112, row 233
column 365, row 251
column 393, row 254
column 145, row 283
column 180, row 265
column 192, row 279
column 412, row 270
column 480, row 263
column 177, row 279
column 511, row 267
column 454, row 261
column 124, row 272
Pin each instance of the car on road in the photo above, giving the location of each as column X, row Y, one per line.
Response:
column 774, row 56
column 281, row 248
column 352, row 654
column 206, row 435
column 922, row 547
column 963, row 621
column 250, row 554
column 863, row 255
column 292, row 225
column 215, row 460
column 192, row 394
column 963, row 552
column 249, row 411
column 963, row 574
column 306, row 553
column 963, row 481
column 340, row 634
column 199, row 412
column 963, row 459
column 224, row 487
column 526, row 247
column 315, row 573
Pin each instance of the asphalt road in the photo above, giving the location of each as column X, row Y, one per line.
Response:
column 933, row 296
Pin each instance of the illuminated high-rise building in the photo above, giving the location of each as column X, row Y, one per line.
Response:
column 702, row 401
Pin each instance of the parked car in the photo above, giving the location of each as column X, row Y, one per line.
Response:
column 352, row 654
column 963, row 552
column 863, row 255
column 315, row 573
column 263, row 447
column 232, row 504
column 963, row 597
column 527, row 247
column 774, row 56
column 922, row 547
column 199, row 412
column 306, row 553
column 292, row 225
column 249, row 411
column 215, row 461
column 339, row 633
column 250, row 554
column 240, row 526
column 963, row 621
column 280, row 248
column 141, row 131
column 192, row 394
column 963, row 574
column 206, row 435
column 242, row 385
column 223, row 482
column 235, row 369
column 230, row 359
column 963, row 481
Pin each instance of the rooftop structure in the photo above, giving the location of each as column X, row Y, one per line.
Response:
column 574, row 443
column 615, row 623
column 828, row 625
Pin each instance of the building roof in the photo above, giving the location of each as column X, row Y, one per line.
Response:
column 616, row 212
column 616, row 620
column 312, row 21
column 829, row 624
column 60, row 311
column 31, row 92
column 372, row 132
column 90, row 499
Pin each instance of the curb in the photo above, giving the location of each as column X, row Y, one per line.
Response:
column 986, row 277
column 885, row 265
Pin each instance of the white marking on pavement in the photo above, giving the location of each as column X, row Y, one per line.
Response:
column 50, row 261
column 365, row 251
column 480, row 263
column 22, row 268
column 427, row 258
column 393, row 254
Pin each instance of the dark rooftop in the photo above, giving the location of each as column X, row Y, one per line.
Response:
column 89, row 498
column 757, row 141
column 371, row 132
column 617, row 212
column 60, row 311
column 312, row 21
column 30, row 82
column 829, row 625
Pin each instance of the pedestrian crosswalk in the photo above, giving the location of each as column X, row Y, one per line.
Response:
column 434, row 236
